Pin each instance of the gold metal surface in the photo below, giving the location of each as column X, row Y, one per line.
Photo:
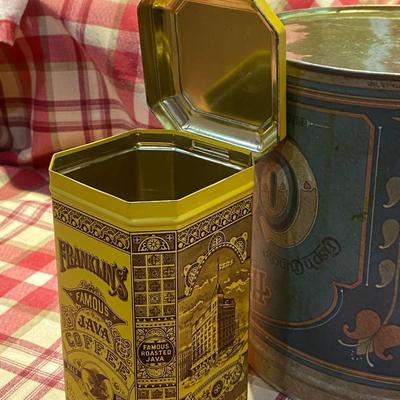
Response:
column 216, row 68
column 150, row 167
column 363, row 40
column 153, row 238
column 151, row 178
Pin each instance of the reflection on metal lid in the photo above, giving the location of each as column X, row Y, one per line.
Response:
column 216, row 68
column 360, row 39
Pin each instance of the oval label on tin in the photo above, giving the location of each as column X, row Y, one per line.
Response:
column 156, row 352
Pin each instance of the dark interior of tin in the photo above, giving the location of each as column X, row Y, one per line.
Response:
column 143, row 173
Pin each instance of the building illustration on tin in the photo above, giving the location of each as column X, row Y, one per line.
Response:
column 213, row 322
column 185, row 362
column 214, row 331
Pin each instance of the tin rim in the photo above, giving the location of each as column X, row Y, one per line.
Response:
column 304, row 65
column 158, row 213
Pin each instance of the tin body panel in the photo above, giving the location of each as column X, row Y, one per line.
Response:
column 152, row 311
column 95, row 310
column 325, row 315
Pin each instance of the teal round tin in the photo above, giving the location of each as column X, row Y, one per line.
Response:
column 326, row 249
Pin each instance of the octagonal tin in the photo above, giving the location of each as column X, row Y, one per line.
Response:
column 153, row 254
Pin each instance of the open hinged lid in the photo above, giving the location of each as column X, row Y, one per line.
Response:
column 216, row 68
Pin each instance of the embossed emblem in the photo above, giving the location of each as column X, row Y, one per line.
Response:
column 156, row 352
column 287, row 196
column 97, row 385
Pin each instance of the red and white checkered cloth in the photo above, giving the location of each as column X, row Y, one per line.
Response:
column 30, row 348
column 73, row 75
column 70, row 73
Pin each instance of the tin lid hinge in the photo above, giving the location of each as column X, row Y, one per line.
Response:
column 210, row 151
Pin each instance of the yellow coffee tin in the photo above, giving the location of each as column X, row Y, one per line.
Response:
column 153, row 227
column 151, row 236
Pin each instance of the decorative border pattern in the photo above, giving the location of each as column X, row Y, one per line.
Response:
column 91, row 226
column 121, row 239
column 218, row 241
column 154, row 280
column 221, row 384
column 364, row 352
column 217, row 221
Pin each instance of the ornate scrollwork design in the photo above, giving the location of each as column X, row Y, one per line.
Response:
column 222, row 384
column 91, row 226
column 374, row 334
column 153, row 244
column 214, row 223
column 123, row 347
column 218, row 241
column 68, row 317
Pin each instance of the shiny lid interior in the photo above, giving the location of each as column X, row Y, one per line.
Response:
column 359, row 39
column 212, row 67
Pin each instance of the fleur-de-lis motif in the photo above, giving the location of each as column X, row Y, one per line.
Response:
column 374, row 334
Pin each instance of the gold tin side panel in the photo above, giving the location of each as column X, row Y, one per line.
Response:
column 191, row 299
column 213, row 304
column 155, row 322
column 96, row 306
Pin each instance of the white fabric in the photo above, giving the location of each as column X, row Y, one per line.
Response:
column 12, row 10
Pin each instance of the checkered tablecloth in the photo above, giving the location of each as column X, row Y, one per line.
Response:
column 30, row 348
column 70, row 73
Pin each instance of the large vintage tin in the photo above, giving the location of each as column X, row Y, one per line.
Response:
column 325, row 319
column 153, row 228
